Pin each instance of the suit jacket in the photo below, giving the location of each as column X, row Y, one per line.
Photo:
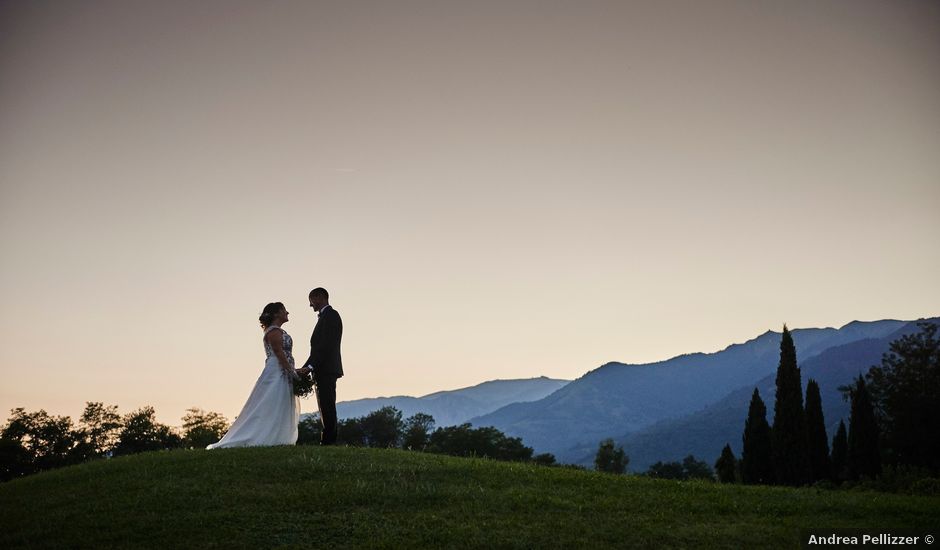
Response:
column 325, row 356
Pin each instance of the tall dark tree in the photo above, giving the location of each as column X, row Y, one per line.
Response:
column 756, row 456
column 790, row 456
column 864, row 455
column 840, row 451
column 610, row 458
column 726, row 465
column 904, row 392
column 817, row 440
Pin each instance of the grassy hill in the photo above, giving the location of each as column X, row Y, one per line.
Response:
column 344, row 497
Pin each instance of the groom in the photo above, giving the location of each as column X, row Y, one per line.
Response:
column 325, row 361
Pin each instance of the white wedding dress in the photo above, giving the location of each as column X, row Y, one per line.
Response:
column 271, row 413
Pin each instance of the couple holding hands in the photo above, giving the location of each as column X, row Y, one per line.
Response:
column 271, row 414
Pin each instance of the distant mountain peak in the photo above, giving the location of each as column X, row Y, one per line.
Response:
column 452, row 407
column 618, row 398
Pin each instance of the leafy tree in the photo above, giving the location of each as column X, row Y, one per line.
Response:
column 840, row 451
column 15, row 460
column 788, row 448
column 696, row 469
column 48, row 441
column 201, row 428
column 816, row 433
column 99, row 426
column 309, row 429
column 756, row 456
column 142, row 432
column 349, row 431
column 417, row 431
column 464, row 440
column 382, row 428
column 726, row 465
column 863, row 457
column 610, row 459
column 904, row 392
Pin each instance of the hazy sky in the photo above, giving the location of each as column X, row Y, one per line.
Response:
column 488, row 189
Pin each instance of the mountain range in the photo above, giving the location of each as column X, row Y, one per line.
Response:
column 704, row 432
column 664, row 410
column 454, row 407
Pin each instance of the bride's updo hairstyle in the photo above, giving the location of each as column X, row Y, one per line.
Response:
column 269, row 313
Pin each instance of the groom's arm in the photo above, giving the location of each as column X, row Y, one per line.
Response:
column 310, row 360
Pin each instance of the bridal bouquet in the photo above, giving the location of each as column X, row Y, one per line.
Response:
column 303, row 386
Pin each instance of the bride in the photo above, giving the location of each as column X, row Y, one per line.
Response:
column 271, row 413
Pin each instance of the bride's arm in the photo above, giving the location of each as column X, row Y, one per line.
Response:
column 277, row 346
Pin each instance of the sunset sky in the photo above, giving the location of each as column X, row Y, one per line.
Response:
column 487, row 189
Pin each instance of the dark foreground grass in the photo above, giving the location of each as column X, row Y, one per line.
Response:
column 345, row 497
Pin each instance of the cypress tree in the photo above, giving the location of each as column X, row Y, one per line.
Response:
column 790, row 456
column 863, row 457
column 840, row 448
column 816, row 433
column 756, row 465
column 726, row 465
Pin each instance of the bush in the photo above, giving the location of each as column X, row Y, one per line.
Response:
column 545, row 459
column 825, row 484
column 689, row 468
column 928, row 486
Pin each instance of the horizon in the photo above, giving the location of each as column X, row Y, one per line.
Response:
column 486, row 190
column 306, row 411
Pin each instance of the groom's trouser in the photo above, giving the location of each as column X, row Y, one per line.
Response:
column 326, row 402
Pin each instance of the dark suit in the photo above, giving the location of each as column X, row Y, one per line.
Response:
column 327, row 364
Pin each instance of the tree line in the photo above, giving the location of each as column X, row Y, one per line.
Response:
column 385, row 428
column 31, row 442
column 34, row 441
column 891, row 439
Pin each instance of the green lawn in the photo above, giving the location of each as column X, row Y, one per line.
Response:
column 345, row 497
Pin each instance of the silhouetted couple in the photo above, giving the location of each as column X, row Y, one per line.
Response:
column 272, row 411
